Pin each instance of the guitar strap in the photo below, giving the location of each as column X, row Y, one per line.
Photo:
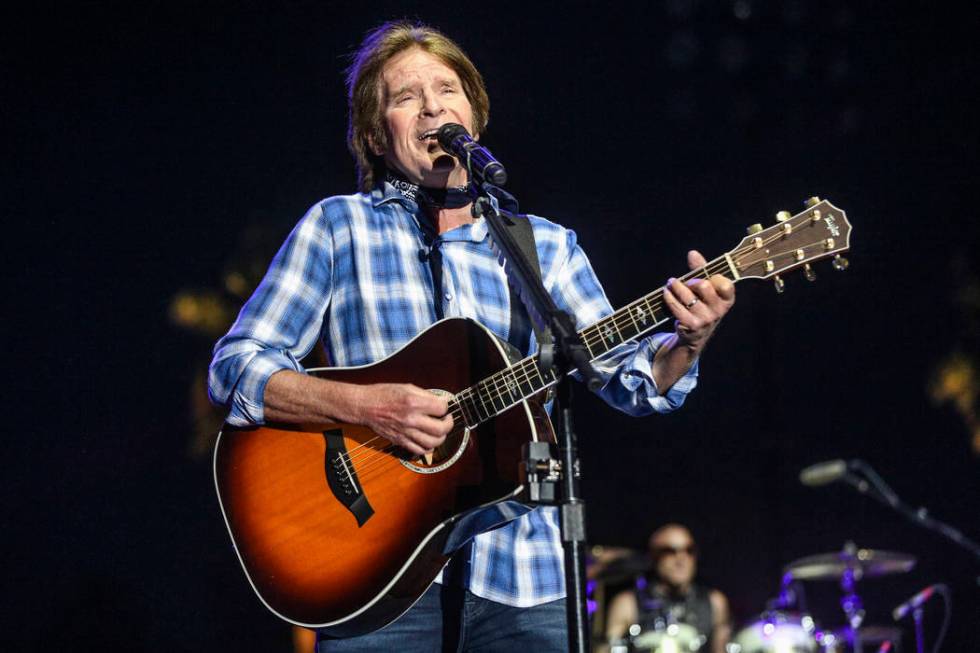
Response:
column 523, row 234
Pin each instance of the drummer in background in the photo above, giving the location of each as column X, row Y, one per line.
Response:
column 670, row 595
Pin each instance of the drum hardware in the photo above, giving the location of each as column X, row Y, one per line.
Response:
column 787, row 627
column 777, row 631
column 849, row 566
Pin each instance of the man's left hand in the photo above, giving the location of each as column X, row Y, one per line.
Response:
column 698, row 305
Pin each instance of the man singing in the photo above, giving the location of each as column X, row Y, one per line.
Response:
column 351, row 275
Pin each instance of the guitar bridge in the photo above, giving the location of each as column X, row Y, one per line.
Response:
column 342, row 478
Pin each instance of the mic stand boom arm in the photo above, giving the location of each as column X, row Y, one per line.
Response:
column 566, row 355
column 920, row 516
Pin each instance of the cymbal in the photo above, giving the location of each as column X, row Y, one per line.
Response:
column 863, row 563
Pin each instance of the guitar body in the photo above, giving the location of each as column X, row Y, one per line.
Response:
column 338, row 533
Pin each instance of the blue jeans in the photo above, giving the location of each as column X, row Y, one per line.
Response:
column 448, row 620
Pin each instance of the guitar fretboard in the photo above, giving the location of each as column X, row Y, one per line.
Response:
column 513, row 384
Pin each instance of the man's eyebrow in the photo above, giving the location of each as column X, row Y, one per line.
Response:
column 401, row 89
column 443, row 81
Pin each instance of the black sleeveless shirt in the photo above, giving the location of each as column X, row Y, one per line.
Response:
column 657, row 610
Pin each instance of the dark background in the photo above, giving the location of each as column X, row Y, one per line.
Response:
column 147, row 144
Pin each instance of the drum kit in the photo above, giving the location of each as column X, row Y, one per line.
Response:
column 785, row 626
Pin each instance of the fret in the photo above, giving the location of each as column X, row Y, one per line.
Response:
column 525, row 383
column 545, row 382
column 487, row 411
column 663, row 314
column 496, row 401
column 497, row 393
column 464, row 405
column 502, row 389
column 628, row 328
column 643, row 315
column 610, row 332
column 511, row 383
column 629, row 312
column 588, row 345
column 466, row 399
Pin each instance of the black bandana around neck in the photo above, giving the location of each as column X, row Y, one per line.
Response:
column 441, row 198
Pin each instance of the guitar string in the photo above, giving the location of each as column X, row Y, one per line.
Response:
column 365, row 462
column 620, row 319
column 361, row 457
column 349, row 457
column 592, row 336
column 369, row 463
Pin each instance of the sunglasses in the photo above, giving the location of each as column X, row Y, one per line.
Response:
column 662, row 551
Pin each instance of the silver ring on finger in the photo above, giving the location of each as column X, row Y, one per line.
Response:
column 691, row 303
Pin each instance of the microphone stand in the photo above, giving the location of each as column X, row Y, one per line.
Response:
column 919, row 516
column 567, row 354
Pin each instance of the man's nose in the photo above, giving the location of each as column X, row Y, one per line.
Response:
column 431, row 106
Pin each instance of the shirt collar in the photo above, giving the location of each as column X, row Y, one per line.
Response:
column 385, row 192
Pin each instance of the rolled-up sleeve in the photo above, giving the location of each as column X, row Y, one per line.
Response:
column 278, row 325
column 627, row 370
column 630, row 387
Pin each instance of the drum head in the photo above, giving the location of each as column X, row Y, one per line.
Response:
column 674, row 638
column 777, row 632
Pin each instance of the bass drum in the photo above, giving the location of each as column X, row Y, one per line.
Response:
column 674, row 638
column 777, row 632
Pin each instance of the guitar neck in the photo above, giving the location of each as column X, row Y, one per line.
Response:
column 644, row 314
column 497, row 393
column 818, row 232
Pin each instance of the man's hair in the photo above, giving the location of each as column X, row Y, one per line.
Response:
column 365, row 92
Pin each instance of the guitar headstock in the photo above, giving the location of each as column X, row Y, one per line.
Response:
column 820, row 231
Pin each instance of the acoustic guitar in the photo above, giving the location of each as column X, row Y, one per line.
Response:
column 339, row 530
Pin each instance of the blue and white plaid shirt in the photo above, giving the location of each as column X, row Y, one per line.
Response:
column 351, row 273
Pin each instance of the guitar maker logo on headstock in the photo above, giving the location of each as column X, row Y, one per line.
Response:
column 832, row 225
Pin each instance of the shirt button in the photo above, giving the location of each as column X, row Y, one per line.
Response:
column 449, row 296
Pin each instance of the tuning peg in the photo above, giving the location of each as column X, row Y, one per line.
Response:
column 840, row 263
column 809, row 273
column 754, row 229
column 783, row 216
column 812, row 202
column 779, row 283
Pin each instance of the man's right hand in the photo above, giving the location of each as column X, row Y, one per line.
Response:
column 412, row 418
column 408, row 416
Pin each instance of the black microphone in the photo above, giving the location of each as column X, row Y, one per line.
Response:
column 914, row 602
column 824, row 473
column 455, row 140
